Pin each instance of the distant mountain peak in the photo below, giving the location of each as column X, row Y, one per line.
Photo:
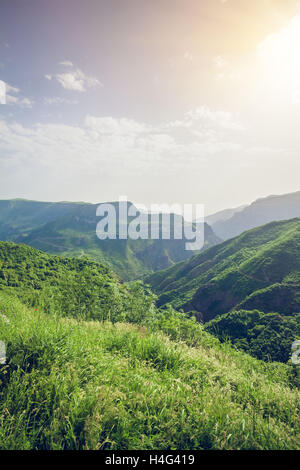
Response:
column 259, row 212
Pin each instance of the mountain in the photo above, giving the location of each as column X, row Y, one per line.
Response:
column 260, row 212
column 259, row 269
column 223, row 215
column 92, row 363
column 19, row 216
column 69, row 287
column 24, row 267
column 70, row 229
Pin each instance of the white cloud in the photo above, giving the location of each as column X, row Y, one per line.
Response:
column 26, row 103
column 204, row 125
column 12, row 89
column 75, row 79
column 57, row 100
column 112, row 126
column 225, row 71
column 107, row 156
column 110, row 141
column 13, row 98
column 67, row 63
column 71, row 81
column 104, row 138
column 23, row 102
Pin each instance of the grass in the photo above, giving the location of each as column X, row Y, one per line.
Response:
column 71, row 384
column 243, row 269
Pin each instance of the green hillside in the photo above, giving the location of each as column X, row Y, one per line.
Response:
column 92, row 363
column 25, row 267
column 19, row 216
column 267, row 336
column 69, row 229
column 75, row 384
column 68, row 286
column 259, row 269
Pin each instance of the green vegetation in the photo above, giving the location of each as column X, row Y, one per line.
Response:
column 93, row 363
column 75, row 384
column 71, row 287
column 69, row 229
column 19, row 216
column 266, row 336
column 238, row 285
column 257, row 270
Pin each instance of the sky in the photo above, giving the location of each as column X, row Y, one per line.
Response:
column 164, row 101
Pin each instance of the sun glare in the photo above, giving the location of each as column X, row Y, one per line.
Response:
column 280, row 60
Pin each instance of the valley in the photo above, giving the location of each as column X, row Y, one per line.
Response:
column 196, row 350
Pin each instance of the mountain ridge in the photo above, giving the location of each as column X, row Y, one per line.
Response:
column 223, row 277
column 69, row 229
column 259, row 212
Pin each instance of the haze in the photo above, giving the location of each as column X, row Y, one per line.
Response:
column 164, row 101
